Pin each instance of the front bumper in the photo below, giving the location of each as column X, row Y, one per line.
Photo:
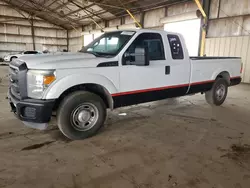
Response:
column 31, row 110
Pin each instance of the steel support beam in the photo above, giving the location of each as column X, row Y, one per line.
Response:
column 218, row 13
column 56, row 13
column 52, row 3
column 89, row 14
column 135, row 20
column 78, row 10
column 142, row 19
column 33, row 33
column 86, row 10
column 204, row 26
column 110, row 8
column 61, row 6
column 30, row 10
column 72, row 12
column 206, row 7
column 122, row 12
column 68, row 40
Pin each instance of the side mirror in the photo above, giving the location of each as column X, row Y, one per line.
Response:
column 139, row 58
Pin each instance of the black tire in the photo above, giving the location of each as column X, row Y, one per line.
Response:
column 212, row 97
column 12, row 58
column 69, row 126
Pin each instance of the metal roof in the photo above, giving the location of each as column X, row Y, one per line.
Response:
column 75, row 13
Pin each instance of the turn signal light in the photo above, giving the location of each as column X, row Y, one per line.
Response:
column 47, row 80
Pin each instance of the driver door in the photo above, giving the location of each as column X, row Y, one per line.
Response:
column 140, row 84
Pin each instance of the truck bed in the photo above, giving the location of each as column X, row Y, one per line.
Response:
column 207, row 68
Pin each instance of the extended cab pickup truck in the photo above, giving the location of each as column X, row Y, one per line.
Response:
column 118, row 69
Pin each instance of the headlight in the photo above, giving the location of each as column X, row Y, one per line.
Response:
column 38, row 81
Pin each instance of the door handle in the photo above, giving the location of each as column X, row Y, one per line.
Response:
column 167, row 70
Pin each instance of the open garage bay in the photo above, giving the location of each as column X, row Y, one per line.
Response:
column 173, row 143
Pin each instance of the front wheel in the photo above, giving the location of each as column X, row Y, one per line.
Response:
column 80, row 115
column 217, row 95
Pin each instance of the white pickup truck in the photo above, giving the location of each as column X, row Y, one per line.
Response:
column 118, row 69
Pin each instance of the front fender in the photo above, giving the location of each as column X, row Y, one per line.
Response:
column 58, row 87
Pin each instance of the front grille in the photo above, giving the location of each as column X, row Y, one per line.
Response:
column 13, row 76
column 17, row 77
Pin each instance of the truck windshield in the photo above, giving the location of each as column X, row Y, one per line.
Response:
column 109, row 44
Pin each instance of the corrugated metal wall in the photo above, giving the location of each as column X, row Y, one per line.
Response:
column 75, row 40
column 229, row 31
column 238, row 46
column 15, row 33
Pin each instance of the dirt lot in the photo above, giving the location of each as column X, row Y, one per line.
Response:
column 178, row 143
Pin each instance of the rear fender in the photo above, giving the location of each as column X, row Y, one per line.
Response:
column 218, row 72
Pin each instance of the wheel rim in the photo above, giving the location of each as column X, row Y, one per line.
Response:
column 220, row 92
column 84, row 117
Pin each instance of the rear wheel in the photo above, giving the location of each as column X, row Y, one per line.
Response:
column 217, row 95
column 81, row 115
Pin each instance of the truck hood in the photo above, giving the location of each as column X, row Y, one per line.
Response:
column 62, row 60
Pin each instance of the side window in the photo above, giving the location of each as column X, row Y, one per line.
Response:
column 175, row 47
column 152, row 41
column 30, row 52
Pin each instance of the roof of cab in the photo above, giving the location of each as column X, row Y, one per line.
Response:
column 142, row 30
column 148, row 31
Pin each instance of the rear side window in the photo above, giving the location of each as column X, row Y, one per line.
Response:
column 175, row 47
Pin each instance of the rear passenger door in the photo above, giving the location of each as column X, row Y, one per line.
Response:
column 140, row 84
column 178, row 60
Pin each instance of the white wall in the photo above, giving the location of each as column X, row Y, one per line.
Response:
column 190, row 30
column 229, row 31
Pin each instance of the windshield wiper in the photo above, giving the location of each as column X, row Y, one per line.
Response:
column 98, row 54
column 106, row 54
